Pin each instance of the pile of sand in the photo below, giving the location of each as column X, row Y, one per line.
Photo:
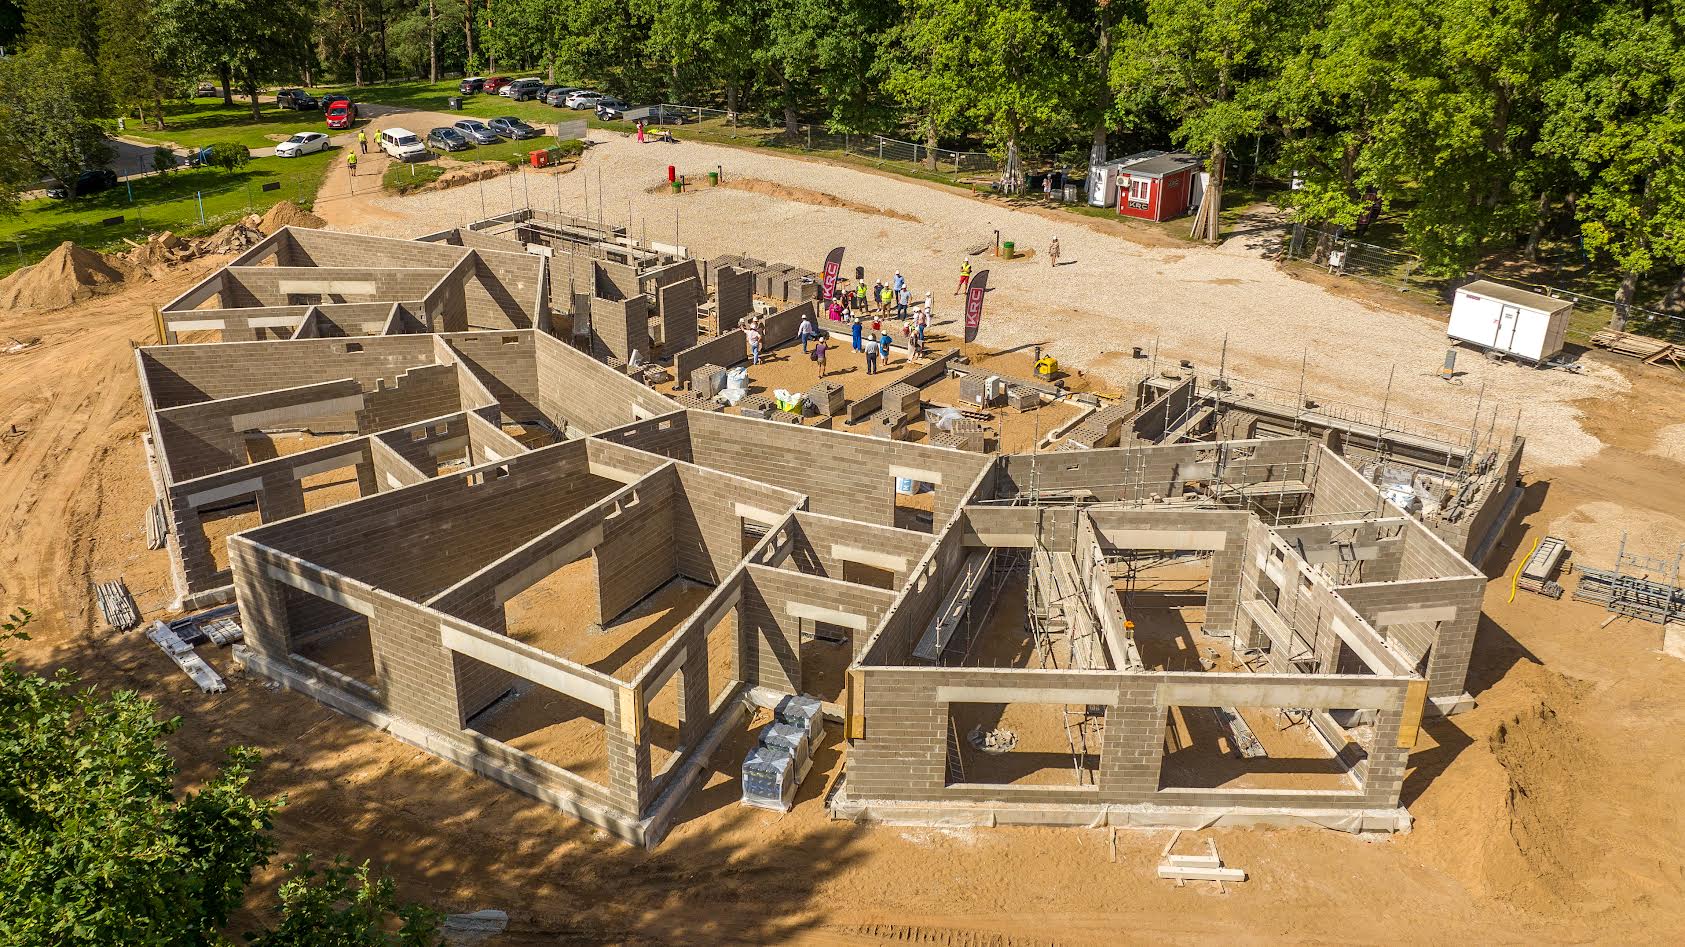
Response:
column 288, row 214
column 68, row 275
column 1507, row 828
column 468, row 174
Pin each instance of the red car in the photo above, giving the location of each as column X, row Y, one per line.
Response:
column 495, row 84
column 339, row 115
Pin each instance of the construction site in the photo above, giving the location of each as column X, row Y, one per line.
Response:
column 542, row 556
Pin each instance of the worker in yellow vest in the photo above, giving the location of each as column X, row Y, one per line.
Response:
column 363, row 142
column 965, row 276
column 351, row 160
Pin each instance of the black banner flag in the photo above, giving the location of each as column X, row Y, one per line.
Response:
column 833, row 266
column 974, row 304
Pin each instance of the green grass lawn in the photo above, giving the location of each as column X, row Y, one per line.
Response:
column 200, row 122
column 163, row 202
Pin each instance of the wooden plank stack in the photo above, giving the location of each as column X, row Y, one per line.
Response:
column 1645, row 349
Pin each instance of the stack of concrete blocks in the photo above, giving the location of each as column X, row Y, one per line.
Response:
column 707, row 381
column 1102, row 428
column 1022, row 398
column 945, row 439
column 788, row 417
column 695, row 402
column 734, row 294
column 827, row 398
column 653, row 375
column 980, row 389
column 901, row 398
column 758, row 406
column 769, row 281
column 890, row 424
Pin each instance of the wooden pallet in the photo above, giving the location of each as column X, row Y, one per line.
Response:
column 1645, row 349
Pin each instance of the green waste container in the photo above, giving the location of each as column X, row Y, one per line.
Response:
column 713, row 178
column 1006, row 248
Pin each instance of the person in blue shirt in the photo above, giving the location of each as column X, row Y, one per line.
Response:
column 856, row 329
column 883, row 346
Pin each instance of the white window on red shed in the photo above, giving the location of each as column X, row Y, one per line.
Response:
column 1140, row 191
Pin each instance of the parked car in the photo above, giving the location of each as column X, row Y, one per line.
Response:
column 494, row 84
column 611, row 109
column 339, row 98
column 513, row 128
column 302, row 143
column 296, row 99
column 471, row 85
column 340, row 116
column 558, row 96
column 522, row 90
column 205, row 90
column 584, row 99
column 448, row 139
column 476, row 131
column 661, row 115
column 402, row 144
column 91, row 181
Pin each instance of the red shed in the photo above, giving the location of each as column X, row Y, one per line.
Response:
column 1157, row 185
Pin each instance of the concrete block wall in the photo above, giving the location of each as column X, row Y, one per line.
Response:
column 506, row 364
column 636, row 556
column 710, row 511
column 351, row 319
column 1163, row 412
column 1447, row 641
column 586, row 394
column 904, row 751
column 724, row 350
column 1136, row 473
column 501, row 291
column 771, row 635
column 643, row 445
column 676, row 301
column 1186, row 530
column 425, row 446
column 235, row 324
column 1473, row 535
column 734, row 293
column 420, row 540
column 847, row 475
column 391, row 469
column 488, row 443
column 620, row 327
column 817, row 541
column 614, row 281
column 429, row 391
column 204, row 438
column 1340, row 492
column 304, row 247
column 892, row 643
column 248, row 287
column 184, row 374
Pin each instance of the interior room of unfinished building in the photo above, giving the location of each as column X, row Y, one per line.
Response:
column 466, row 488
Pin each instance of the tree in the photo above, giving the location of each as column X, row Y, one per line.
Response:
column 135, row 75
column 1206, row 63
column 48, row 117
column 247, row 42
column 1616, row 117
column 164, row 160
column 928, row 79
column 228, row 155
column 57, row 25
column 97, row 846
column 343, row 905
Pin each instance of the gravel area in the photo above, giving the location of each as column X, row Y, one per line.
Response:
column 1112, row 293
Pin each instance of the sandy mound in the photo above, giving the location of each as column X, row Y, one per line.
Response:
column 786, row 192
column 65, row 277
column 288, row 214
column 1593, row 531
column 468, row 174
column 1510, row 824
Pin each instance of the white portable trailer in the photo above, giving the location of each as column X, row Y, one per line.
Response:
column 1513, row 321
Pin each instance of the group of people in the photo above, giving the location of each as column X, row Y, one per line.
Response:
column 865, row 309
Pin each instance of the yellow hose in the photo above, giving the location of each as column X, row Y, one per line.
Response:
column 1514, row 578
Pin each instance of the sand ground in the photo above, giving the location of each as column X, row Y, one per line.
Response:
column 1551, row 812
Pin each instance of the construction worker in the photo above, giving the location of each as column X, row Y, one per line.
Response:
column 351, row 160
column 1053, row 252
column 363, row 142
column 965, row 276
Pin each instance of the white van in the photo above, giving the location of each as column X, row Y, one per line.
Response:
column 402, row 144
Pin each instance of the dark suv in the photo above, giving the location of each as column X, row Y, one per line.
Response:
column 447, row 139
column 296, row 99
column 91, row 181
column 471, row 85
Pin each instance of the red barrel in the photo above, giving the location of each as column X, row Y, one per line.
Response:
column 672, row 174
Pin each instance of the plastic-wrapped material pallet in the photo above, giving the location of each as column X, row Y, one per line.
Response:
column 827, row 398
column 788, row 737
column 803, row 711
column 901, row 397
column 707, row 381
column 769, row 778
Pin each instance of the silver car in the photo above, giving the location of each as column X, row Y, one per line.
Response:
column 477, row 131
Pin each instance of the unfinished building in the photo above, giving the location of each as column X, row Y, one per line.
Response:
column 483, row 531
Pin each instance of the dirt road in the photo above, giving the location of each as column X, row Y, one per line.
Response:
column 1551, row 812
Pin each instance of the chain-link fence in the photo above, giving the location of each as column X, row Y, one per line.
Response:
column 1343, row 256
column 108, row 221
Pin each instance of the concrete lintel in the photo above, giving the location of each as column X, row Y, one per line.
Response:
column 188, row 325
column 275, row 322
column 526, row 578
column 449, row 445
column 326, row 287
column 1202, row 539
column 829, row 615
column 272, row 417
column 914, row 473
column 1322, row 696
column 1399, row 616
column 507, row 657
column 867, row 557
column 1026, row 695
column 653, row 686
column 319, row 590
column 327, row 464
column 755, row 514
column 224, row 492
